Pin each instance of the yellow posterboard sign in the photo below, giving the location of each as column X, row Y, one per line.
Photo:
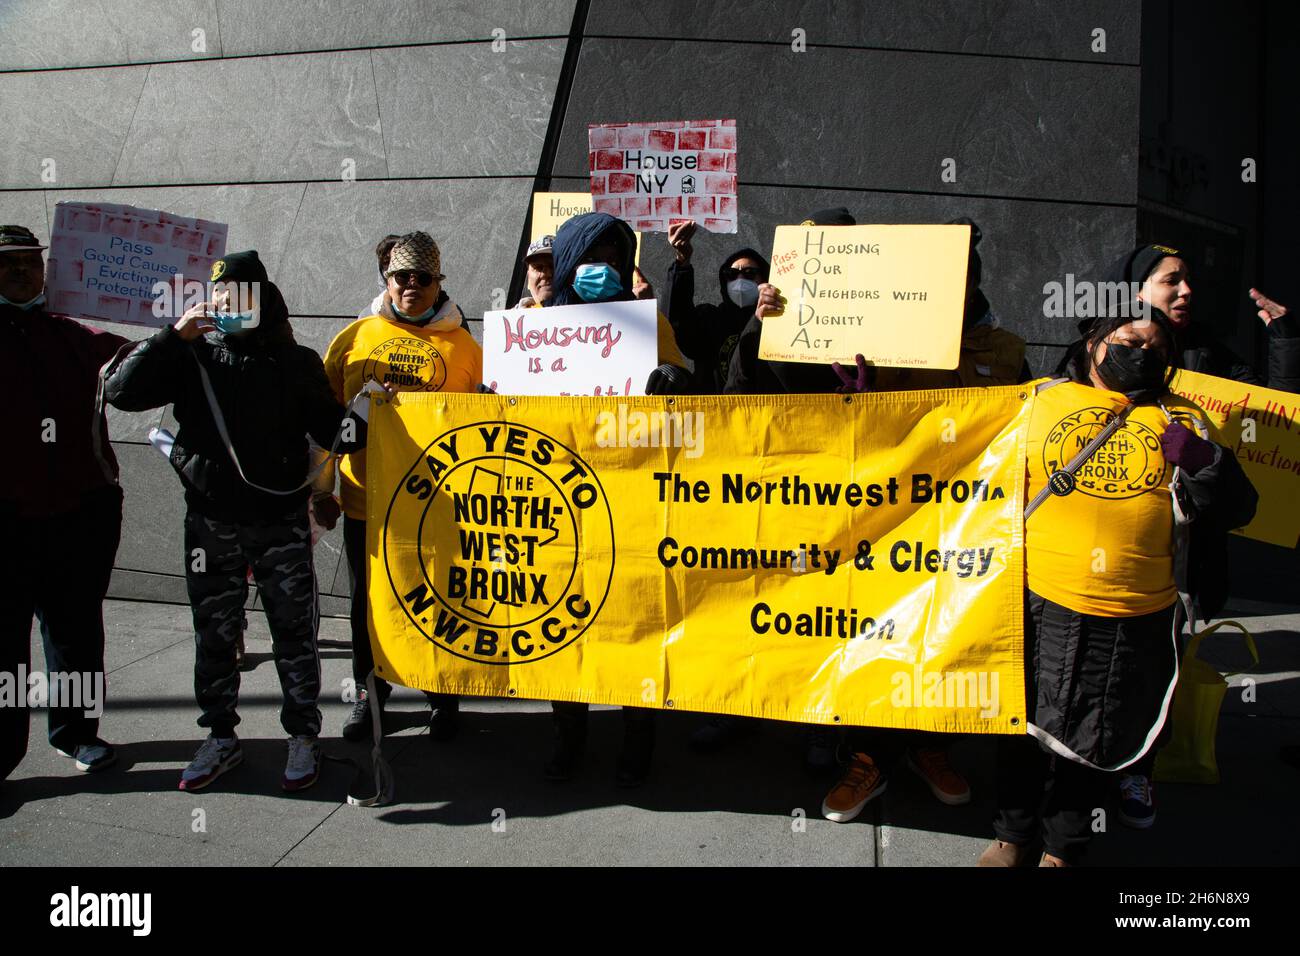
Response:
column 892, row 294
column 1262, row 426
column 550, row 210
column 812, row 558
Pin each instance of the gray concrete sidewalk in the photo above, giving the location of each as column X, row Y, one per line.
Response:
column 741, row 807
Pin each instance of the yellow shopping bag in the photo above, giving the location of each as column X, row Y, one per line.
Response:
column 1189, row 755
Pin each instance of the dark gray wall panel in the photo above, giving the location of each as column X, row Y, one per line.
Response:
column 330, row 266
column 1028, row 28
column 466, row 110
column 1025, row 244
column 44, row 34
column 25, row 209
column 78, row 118
column 261, row 119
column 876, row 119
column 253, row 26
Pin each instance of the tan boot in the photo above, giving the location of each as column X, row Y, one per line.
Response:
column 1001, row 853
column 1049, row 860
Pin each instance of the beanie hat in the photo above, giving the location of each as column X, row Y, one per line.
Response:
column 239, row 267
column 18, row 239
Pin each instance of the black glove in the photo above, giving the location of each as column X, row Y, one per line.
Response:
column 668, row 380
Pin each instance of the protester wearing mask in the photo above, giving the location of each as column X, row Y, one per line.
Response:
column 1163, row 274
column 382, row 251
column 593, row 263
column 60, row 503
column 539, row 263
column 416, row 342
column 706, row 333
column 1106, row 562
column 594, row 255
column 245, row 396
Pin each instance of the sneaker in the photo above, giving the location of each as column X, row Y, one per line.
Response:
column 215, row 757
column 1137, row 801
column 94, row 756
column 931, row 765
column 303, row 765
column 861, row 783
column 820, row 753
column 1002, row 853
column 1049, row 860
column 359, row 725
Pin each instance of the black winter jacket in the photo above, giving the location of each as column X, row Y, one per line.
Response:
column 1202, row 352
column 707, row 334
column 272, row 393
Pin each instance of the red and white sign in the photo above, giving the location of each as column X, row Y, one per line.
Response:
column 605, row 348
column 106, row 260
column 654, row 174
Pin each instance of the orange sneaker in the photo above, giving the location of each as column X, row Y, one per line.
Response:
column 862, row 781
column 931, row 765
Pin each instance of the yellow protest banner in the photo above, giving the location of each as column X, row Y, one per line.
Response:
column 550, row 210
column 1262, row 427
column 826, row 559
column 892, row 294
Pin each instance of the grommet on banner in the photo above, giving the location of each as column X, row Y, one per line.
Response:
column 668, row 703
column 510, row 401
column 1023, row 396
column 836, row 718
column 1015, row 721
column 848, row 399
column 511, row 692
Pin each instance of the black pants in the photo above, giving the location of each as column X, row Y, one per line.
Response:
column 280, row 556
column 57, row 568
column 363, row 657
column 1034, row 787
column 571, row 717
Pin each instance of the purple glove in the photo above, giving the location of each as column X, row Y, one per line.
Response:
column 1185, row 448
column 851, row 385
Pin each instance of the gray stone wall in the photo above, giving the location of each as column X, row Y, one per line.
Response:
column 250, row 112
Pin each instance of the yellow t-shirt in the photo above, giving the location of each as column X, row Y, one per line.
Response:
column 1106, row 548
column 416, row 359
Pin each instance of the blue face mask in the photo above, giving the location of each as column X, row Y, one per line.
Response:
column 597, row 282
column 25, row 306
column 414, row 318
column 231, row 323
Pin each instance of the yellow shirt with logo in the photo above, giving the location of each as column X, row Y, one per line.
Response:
column 415, row 358
column 1106, row 548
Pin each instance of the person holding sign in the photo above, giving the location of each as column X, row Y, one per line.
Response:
column 707, row 334
column 1119, row 476
column 416, row 342
column 245, row 396
column 61, row 505
column 594, row 256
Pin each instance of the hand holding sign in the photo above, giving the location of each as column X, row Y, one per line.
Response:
column 770, row 301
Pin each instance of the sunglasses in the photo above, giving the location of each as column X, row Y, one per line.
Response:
column 425, row 279
column 749, row 272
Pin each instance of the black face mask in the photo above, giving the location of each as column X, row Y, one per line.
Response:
column 1132, row 371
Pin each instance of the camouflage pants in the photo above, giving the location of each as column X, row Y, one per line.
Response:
column 280, row 556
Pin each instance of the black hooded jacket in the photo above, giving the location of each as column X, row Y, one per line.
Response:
column 707, row 334
column 272, row 393
column 572, row 240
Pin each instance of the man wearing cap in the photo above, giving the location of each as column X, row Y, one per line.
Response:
column 540, row 263
column 245, row 396
column 60, row 505
column 416, row 342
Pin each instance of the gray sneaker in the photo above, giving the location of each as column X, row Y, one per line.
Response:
column 215, row 757
column 94, row 756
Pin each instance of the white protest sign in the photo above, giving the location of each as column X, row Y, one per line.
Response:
column 125, row 264
column 654, row 174
column 603, row 348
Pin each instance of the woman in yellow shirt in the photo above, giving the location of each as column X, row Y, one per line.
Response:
column 1116, row 477
column 417, row 342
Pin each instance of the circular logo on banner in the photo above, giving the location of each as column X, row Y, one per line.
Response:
column 1130, row 463
column 412, row 364
column 513, row 543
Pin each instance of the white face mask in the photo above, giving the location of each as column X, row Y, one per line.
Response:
column 25, row 306
column 743, row 292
